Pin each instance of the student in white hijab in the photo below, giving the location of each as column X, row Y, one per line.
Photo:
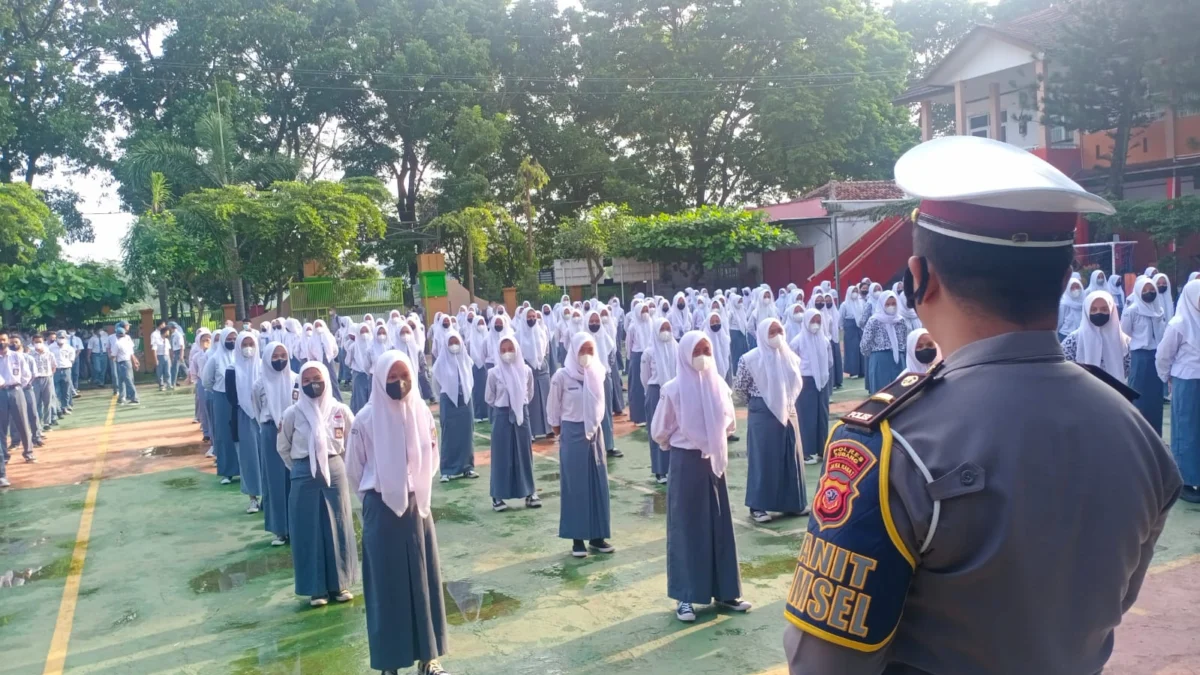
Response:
column 815, row 351
column 391, row 461
column 609, row 324
column 576, row 412
column 1144, row 322
column 851, row 310
column 718, row 334
column 1099, row 341
column 874, row 292
column 639, row 338
column 769, row 381
column 452, row 372
column 739, row 344
column 1193, row 275
column 196, row 363
column 1116, row 287
column 793, row 322
column 274, row 392
column 693, row 419
column 510, row 389
column 658, row 368
column 293, row 339
column 361, row 358
column 679, row 315
column 323, row 347
column 312, row 443
column 922, row 352
column 1166, row 298
column 605, row 345
column 1070, row 308
column 477, row 345
column 830, row 324
column 884, row 337
column 1097, row 281
column 218, row 382
column 534, row 341
column 1178, row 362
column 761, row 308
column 247, row 367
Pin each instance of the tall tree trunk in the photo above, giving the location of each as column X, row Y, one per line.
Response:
column 162, row 298
column 470, row 268
column 528, row 226
column 236, row 288
column 1120, row 155
column 595, row 272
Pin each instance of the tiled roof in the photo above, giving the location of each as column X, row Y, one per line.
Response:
column 857, row 190
column 797, row 209
column 921, row 92
column 1041, row 29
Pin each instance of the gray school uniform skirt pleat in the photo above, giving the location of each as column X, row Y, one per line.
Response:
column 536, row 419
column 774, row 481
column 334, row 388
column 202, row 410
column 402, row 586
column 479, row 406
column 248, row 456
column 812, row 407
column 277, row 481
column 702, row 560
column 606, row 425
column 560, row 351
column 222, row 435
column 512, row 456
column 423, row 383
column 637, row 393
column 458, row 431
column 660, row 463
column 583, row 484
column 617, row 403
column 360, row 390
column 324, row 553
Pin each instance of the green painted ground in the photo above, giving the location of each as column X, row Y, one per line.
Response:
column 179, row 579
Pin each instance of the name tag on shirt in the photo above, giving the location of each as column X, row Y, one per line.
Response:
column 339, row 426
column 295, row 396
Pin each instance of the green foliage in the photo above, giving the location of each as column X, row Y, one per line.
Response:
column 1164, row 221
column 26, row 224
column 593, row 235
column 60, row 293
column 708, row 235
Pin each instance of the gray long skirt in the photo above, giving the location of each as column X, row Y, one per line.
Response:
column 402, row 586
column 458, row 435
column 479, row 405
column 423, row 383
column 360, row 391
column 775, row 482
column 222, row 435
column 512, row 456
column 334, row 388
column 812, row 407
column 660, row 463
column 637, row 393
column 583, row 484
column 617, row 402
column 202, row 410
column 277, row 481
column 324, row 553
column 248, row 456
column 702, row 559
column 837, row 372
column 536, row 419
column 606, row 425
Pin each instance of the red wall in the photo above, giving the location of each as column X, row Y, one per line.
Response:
column 787, row 266
column 880, row 254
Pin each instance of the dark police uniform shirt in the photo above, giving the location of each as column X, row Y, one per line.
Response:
column 1050, row 490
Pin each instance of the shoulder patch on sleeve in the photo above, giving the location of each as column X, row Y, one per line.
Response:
column 883, row 403
column 853, row 571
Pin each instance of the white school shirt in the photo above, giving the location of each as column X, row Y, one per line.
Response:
column 665, row 427
column 64, row 356
column 75, row 342
column 43, row 362
column 123, row 348
column 94, row 344
column 1140, row 329
column 1177, row 357
column 14, row 370
column 294, row 433
column 110, row 345
column 567, row 399
column 159, row 345
column 364, row 453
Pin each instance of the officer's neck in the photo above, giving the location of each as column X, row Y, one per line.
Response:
column 963, row 325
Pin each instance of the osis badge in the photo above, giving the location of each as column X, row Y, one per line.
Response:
column 339, row 426
column 846, row 464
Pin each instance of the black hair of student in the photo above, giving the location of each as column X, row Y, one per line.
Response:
column 1019, row 285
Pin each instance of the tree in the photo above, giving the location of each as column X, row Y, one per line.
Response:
column 530, row 177
column 59, row 292
column 1007, row 10
column 26, row 225
column 593, row 235
column 474, row 226
column 934, row 27
column 717, row 236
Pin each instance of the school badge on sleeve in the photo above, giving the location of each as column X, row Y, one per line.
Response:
column 845, row 465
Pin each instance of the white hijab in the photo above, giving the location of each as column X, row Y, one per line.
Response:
column 889, row 321
column 796, row 322
column 1096, row 282
column 409, row 346
column 605, row 344
column 277, row 385
column 533, row 341
column 1187, row 314
column 1102, row 346
column 1165, row 300
column 1151, row 311
column 248, row 369
column 453, row 371
column 664, row 354
column 703, row 405
column 759, row 311
column 319, row 412
column 853, row 307
column 1069, row 302
column 912, row 364
column 592, row 378
column 513, row 392
column 720, row 343
column 377, row 347
column 776, row 372
column 224, row 358
column 493, row 336
column 404, row 444
column 477, row 344
column 814, row 351
column 293, row 338
column 361, row 346
column 323, row 345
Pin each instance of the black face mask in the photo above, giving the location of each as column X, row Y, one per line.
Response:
column 715, row 327
column 665, row 308
column 926, row 356
column 531, row 322
column 499, row 328
column 1098, row 319
column 314, row 389
column 278, row 365
column 546, row 312
column 680, row 305
column 229, row 346
column 445, row 326
column 1149, row 296
column 1162, row 289
column 819, row 305
column 397, row 390
column 594, row 327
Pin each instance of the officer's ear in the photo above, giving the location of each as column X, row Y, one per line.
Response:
column 926, row 286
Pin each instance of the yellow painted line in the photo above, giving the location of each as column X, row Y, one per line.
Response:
column 57, row 656
column 1174, row 564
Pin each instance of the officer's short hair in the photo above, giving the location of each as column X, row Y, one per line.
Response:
column 1018, row 285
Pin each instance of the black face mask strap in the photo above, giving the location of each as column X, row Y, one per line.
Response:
column 917, row 294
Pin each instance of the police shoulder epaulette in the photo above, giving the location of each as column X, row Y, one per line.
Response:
column 888, row 400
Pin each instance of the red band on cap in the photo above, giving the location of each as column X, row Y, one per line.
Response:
column 995, row 223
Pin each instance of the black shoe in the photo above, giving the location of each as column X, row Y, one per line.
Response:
column 1190, row 494
column 578, row 550
column 615, row 453
column 471, row 474
column 601, row 546
column 734, row 439
column 533, row 502
column 206, row 439
column 498, row 505
column 38, row 444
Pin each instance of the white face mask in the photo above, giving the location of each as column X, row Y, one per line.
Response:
column 605, row 320
column 814, row 327
column 41, row 347
column 776, row 341
column 381, row 339
column 664, row 336
column 766, row 300
column 454, row 349
column 1075, row 293
column 61, row 341
column 508, row 357
column 797, row 318
column 585, row 360
column 248, row 352
column 481, row 329
column 889, row 310
column 854, row 295
column 701, row 363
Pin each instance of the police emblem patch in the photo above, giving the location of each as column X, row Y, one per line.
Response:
column 909, row 381
column 846, row 464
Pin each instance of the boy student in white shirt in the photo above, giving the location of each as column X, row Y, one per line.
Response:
column 14, row 376
column 65, row 358
column 126, row 363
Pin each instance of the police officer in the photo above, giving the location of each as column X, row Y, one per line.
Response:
column 998, row 514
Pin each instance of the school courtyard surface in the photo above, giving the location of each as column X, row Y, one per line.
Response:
column 121, row 553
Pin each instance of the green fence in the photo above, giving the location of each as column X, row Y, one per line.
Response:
column 312, row 299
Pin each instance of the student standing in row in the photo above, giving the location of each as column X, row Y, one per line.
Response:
column 96, row 349
column 659, row 368
column 608, row 324
column 125, row 364
column 160, row 344
column 359, row 359
column 196, row 361
column 1070, row 308
column 452, row 371
column 922, row 352
column 247, row 369
column 311, row 443
column 1144, row 322
column 694, row 419
column 15, row 375
column 769, row 381
column 274, row 392
column 219, row 362
column 883, row 338
column 477, row 348
column 43, row 371
column 535, row 347
column 1098, row 341
column 510, row 388
column 64, row 357
column 604, row 348
column 391, row 461
column 1178, row 362
column 639, row 340
column 815, row 352
column 852, row 309
column 576, row 411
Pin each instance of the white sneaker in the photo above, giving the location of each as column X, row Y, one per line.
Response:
column 812, row 460
column 253, row 508
column 344, row 596
column 661, row 480
column 737, row 605
column 4, row 483
column 212, row 452
column 318, row 602
column 685, row 613
column 445, row 478
column 761, row 516
column 225, row 481
column 279, row 541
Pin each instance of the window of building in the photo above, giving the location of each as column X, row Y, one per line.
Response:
column 1061, row 135
column 978, row 125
